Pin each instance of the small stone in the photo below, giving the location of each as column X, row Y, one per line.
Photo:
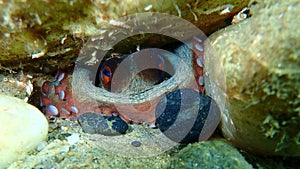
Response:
column 64, row 149
column 106, row 125
column 74, row 138
column 22, row 128
column 41, row 146
column 136, row 143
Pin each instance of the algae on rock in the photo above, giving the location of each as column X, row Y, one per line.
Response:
column 46, row 35
column 210, row 154
column 253, row 71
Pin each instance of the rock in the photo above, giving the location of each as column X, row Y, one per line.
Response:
column 209, row 154
column 41, row 146
column 253, row 73
column 17, row 86
column 22, row 128
column 46, row 30
column 74, row 138
column 97, row 124
column 186, row 116
column 136, row 143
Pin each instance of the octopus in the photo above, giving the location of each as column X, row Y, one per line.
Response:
column 57, row 97
column 135, row 94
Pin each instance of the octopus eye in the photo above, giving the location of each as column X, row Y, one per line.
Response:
column 106, row 75
column 107, row 72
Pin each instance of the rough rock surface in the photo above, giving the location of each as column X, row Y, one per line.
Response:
column 22, row 128
column 44, row 33
column 94, row 123
column 254, row 73
column 219, row 153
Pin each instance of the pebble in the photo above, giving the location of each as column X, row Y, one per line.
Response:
column 74, row 138
column 41, row 146
column 22, row 128
column 64, row 149
column 136, row 143
column 106, row 125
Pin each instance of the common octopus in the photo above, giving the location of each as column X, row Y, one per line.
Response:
column 57, row 98
column 73, row 96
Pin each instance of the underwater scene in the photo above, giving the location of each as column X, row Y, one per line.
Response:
column 150, row 84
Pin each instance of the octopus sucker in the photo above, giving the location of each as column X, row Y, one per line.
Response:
column 52, row 109
column 61, row 95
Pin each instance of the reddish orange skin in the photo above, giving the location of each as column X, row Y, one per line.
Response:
column 106, row 79
column 199, row 71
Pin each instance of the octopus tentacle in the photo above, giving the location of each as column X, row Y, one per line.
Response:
column 198, row 62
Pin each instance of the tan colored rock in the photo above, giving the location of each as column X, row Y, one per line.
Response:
column 22, row 128
column 253, row 74
column 40, row 30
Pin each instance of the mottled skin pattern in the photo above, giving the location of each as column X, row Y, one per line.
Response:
column 58, row 100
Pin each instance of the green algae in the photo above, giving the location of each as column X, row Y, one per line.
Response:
column 51, row 33
column 209, row 154
column 260, row 97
